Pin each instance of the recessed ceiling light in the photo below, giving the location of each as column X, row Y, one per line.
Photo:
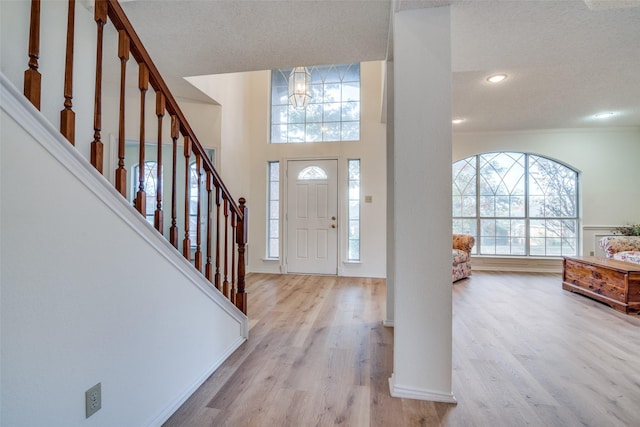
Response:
column 457, row 121
column 604, row 115
column 496, row 78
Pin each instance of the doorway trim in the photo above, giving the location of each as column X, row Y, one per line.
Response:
column 285, row 214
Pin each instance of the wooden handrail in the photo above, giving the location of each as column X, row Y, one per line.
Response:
column 140, row 54
column 215, row 187
column 224, row 217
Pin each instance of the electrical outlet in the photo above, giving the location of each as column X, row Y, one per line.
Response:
column 93, row 399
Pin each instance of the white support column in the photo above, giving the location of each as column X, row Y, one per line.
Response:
column 422, row 91
column 391, row 253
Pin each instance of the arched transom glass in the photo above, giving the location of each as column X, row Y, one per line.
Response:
column 312, row 172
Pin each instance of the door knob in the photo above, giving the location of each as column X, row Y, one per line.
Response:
column 333, row 218
column 333, row 226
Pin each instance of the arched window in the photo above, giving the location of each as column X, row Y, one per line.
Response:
column 312, row 172
column 516, row 204
column 150, row 186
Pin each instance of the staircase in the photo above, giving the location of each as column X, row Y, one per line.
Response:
column 135, row 281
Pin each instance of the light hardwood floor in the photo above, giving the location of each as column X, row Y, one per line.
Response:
column 525, row 352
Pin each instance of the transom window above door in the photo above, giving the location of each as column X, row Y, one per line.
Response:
column 312, row 172
column 333, row 113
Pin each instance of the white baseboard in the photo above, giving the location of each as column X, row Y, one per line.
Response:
column 419, row 394
column 172, row 407
column 528, row 265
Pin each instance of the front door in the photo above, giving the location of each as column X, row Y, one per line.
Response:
column 312, row 211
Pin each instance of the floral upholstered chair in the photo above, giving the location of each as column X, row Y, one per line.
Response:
column 461, row 254
column 622, row 248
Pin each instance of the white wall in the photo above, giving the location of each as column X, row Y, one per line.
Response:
column 245, row 100
column 14, row 40
column 203, row 118
column 90, row 293
column 371, row 152
column 608, row 161
column 238, row 128
column 233, row 93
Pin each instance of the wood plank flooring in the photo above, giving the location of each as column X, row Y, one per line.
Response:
column 525, row 352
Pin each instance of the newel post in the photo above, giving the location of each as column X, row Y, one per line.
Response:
column 241, row 240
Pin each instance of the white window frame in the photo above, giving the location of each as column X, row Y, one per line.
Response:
column 326, row 116
column 273, row 184
column 472, row 224
column 354, row 199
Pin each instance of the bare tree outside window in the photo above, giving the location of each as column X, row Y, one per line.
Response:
column 516, row 204
column 333, row 113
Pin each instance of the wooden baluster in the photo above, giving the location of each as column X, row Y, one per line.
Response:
column 123, row 54
column 198, row 254
column 158, row 217
column 218, row 200
column 225, row 283
column 186, row 242
column 143, row 85
column 173, row 230
column 100, row 16
column 67, row 116
column 32, row 77
column 241, row 240
column 208, row 267
column 234, row 230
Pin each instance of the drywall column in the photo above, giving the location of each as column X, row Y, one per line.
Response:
column 391, row 253
column 422, row 91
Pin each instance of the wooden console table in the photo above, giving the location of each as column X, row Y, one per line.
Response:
column 615, row 283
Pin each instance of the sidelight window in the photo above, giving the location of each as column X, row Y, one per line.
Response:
column 354, row 210
column 273, row 209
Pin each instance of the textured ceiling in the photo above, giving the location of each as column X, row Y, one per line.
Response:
column 566, row 60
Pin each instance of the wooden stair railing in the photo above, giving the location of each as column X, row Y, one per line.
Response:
column 226, row 220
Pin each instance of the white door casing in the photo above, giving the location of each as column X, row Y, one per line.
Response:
column 312, row 212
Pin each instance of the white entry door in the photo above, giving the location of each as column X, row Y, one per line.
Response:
column 312, row 211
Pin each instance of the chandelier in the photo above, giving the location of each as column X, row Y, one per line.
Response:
column 300, row 87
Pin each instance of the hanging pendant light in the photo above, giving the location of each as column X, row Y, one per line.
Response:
column 300, row 87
